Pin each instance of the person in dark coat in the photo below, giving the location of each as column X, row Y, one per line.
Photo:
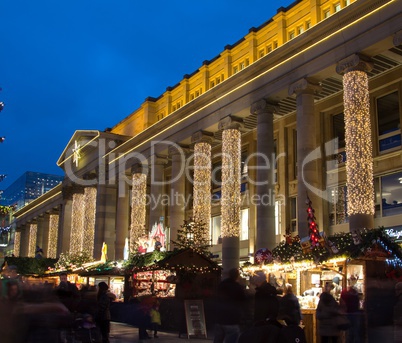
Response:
column 327, row 311
column 351, row 304
column 230, row 305
column 289, row 308
column 266, row 300
column 103, row 316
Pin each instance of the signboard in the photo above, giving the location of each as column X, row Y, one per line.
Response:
column 195, row 318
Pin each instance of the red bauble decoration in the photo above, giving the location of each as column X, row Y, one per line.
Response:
column 263, row 256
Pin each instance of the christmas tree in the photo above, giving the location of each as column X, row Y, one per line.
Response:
column 314, row 234
column 193, row 235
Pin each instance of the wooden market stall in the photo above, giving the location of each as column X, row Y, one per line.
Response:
column 369, row 260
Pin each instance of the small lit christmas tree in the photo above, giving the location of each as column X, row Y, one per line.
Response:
column 193, row 235
column 314, row 234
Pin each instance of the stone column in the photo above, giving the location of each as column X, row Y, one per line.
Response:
column 156, row 208
column 265, row 176
column 306, row 143
column 17, row 242
column 33, row 237
column 122, row 220
column 202, row 182
column 43, row 233
column 358, row 148
column 65, row 220
column 230, row 201
column 177, row 203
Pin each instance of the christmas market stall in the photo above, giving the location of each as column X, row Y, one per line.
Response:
column 367, row 260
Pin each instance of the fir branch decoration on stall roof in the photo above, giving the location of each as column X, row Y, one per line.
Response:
column 69, row 261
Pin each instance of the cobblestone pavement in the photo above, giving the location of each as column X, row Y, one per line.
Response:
column 124, row 333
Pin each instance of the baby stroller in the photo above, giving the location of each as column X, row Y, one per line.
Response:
column 86, row 330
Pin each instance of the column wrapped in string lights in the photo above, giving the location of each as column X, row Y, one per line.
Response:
column 33, row 233
column 359, row 159
column 230, row 200
column 77, row 223
column 202, row 188
column 138, row 209
column 231, row 167
column 17, row 243
column 53, row 236
column 90, row 194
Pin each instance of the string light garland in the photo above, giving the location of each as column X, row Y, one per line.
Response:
column 53, row 236
column 359, row 166
column 230, row 202
column 77, row 223
column 202, row 186
column 88, row 237
column 17, row 243
column 33, row 233
column 138, row 209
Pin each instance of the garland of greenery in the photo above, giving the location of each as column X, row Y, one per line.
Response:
column 30, row 266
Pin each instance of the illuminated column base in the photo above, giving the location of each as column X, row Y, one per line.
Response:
column 53, row 236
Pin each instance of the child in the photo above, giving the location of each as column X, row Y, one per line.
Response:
column 155, row 319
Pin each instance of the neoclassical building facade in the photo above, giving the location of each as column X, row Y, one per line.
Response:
column 307, row 105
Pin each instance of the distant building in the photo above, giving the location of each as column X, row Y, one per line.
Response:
column 28, row 187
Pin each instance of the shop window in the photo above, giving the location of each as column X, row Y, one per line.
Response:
column 293, row 214
column 338, row 205
column 244, row 225
column 338, row 130
column 389, row 196
column 389, row 124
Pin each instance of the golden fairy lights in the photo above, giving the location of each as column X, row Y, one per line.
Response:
column 33, row 233
column 359, row 166
column 83, row 221
column 202, row 185
column 230, row 202
column 138, row 209
column 77, row 223
column 17, row 243
column 53, row 233
column 89, row 219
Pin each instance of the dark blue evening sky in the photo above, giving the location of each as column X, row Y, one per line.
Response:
column 87, row 64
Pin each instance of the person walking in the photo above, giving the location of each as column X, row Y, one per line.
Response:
column 155, row 318
column 230, row 303
column 104, row 299
column 327, row 312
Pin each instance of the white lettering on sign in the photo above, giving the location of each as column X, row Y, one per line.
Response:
column 393, row 233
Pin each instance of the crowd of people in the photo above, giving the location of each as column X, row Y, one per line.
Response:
column 44, row 312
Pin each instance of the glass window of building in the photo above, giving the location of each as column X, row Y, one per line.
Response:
column 216, row 230
column 389, row 123
column 389, row 195
column 327, row 13
column 244, row 225
column 293, row 214
column 337, row 7
column 338, row 205
column 338, row 135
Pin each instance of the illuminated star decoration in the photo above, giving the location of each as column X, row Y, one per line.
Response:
column 76, row 153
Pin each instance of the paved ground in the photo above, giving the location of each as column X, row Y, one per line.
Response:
column 124, row 333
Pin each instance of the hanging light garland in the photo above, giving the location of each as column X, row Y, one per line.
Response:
column 359, row 166
column 202, row 186
column 138, row 209
column 53, row 236
column 230, row 202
